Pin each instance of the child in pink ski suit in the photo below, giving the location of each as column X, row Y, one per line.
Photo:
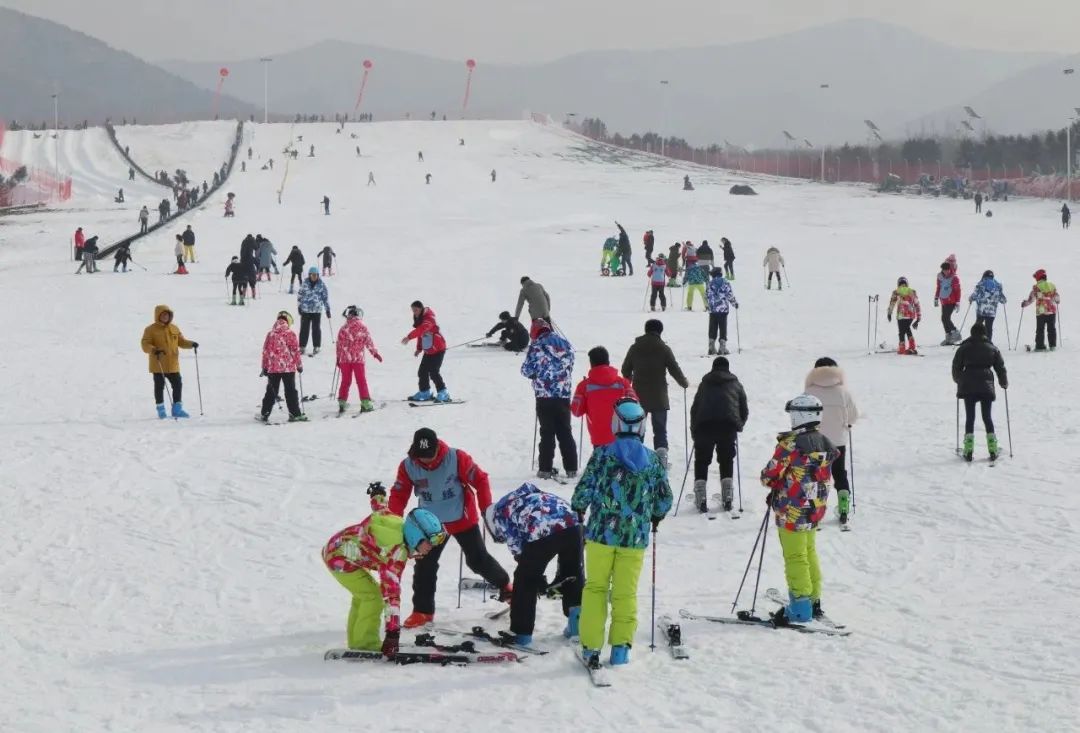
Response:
column 353, row 340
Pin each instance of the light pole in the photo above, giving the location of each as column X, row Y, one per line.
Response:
column 1068, row 149
column 789, row 139
column 823, row 86
column 265, row 61
column 664, row 83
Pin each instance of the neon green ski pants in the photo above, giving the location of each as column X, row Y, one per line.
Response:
column 614, row 569
column 801, row 566
column 365, row 613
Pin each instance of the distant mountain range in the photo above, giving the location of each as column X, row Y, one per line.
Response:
column 39, row 58
column 746, row 93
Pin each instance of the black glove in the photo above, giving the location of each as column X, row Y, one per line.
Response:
column 390, row 644
column 262, row 373
column 915, row 325
column 375, row 488
column 655, row 524
column 300, row 369
column 195, row 345
column 1004, row 385
column 888, row 317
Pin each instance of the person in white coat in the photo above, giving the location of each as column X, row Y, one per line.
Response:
column 774, row 261
column 826, row 382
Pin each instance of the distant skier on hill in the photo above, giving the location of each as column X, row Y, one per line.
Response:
column 729, row 258
column 144, row 220
column 624, row 249
column 1066, row 216
column 978, row 202
column 326, row 205
column 328, row 258
column 296, row 272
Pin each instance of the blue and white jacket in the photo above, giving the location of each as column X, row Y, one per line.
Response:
column 549, row 363
column 526, row 515
column 987, row 296
column 720, row 296
column 313, row 297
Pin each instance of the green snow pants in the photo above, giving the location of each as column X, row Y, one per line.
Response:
column 365, row 613
column 616, row 569
column 801, row 563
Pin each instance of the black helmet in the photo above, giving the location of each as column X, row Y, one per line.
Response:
column 353, row 311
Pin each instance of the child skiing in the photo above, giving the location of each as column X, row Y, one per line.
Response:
column 729, row 258
column 296, row 259
column 657, row 272
column 987, row 296
column 161, row 342
column 430, row 341
column 178, row 250
column 328, row 257
column 971, row 371
column 625, row 491
column 353, row 341
column 381, row 544
column 720, row 299
column 281, row 362
column 775, row 262
column 696, row 277
column 122, row 257
column 674, row 252
column 908, row 315
column 798, row 477
column 1045, row 296
column 948, row 295
column 239, row 275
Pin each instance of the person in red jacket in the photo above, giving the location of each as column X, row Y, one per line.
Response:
column 449, row 484
column 948, row 295
column 80, row 240
column 430, row 341
column 596, row 395
column 281, row 362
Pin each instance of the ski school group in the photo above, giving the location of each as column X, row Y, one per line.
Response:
column 599, row 537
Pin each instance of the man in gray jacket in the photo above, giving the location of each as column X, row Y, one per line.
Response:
column 539, row 301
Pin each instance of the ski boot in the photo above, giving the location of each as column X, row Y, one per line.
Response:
column 712, row 347
column 620, row 654
column 570, row 474
column 417, row 619
column 955, row 338
column 298, row 418
column 799, row 610
column 443, row 396
column 727, row 493
column 818, row 612
column 523, row 639
column 178, row 410
column 969, row 447
column 843, row 504
column 315, row 351
column 241, row 300
column 290, row 290
column 367, row 406
column 911, row 347
column 723, row 349
column 342, row 405
column 902, row 349
column 573, row 622
column 263, row 418
column 591, row 657
column 992, row 446
column 233, row 301
column 423, row 395
column 161, row 412
column 662, row 454
column 544, row 474
column 701, row 501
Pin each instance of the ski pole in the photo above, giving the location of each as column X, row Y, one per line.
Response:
column 738, row 471
column 877, row 316
column 280, row 279
column 869, row 299
column 957, row 426
column 645, row 299
column 333, row 381
column 330, row 325
column 228, row 291
column 168, row 391
column 484, row 586
column 1018, row 327
column 1008, row 336
column 1060, row 332
column 753, row 552
column 198, row 380
column 466, row 343
column 686, row 428
column 784, row 268
column 460, row 575
column 765, row 279
column 580, row 440
column 965, row 317
column 300, row 376
column 536, row 427
column 652, row 626
column 683, row 487
column 761, row 563
column 851, row 455
column 1008, row 422
column 738, row 335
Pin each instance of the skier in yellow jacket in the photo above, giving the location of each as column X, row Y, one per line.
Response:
column 162, row 341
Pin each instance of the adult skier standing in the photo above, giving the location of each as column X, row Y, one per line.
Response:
column 649, row 240
column 281, row 362
column 596, row 395
column 1045, row 297
column 538, row 299
column 549, row 365
column 430, row 341
column 624, row 249
column 648, row 362
column 266, row 256
column 674, row 253
column 775, row 262
column 144, row 220
column 449, row 484
column 625, row 491
column 354, row 340
column 987, row 296
column 1066, row 216
column 729, row 258
column 948, row 295
column 239, row 275
column 697, row 275
column 296, row 272
column 162, row 341
column 717, row 416
column 189, row 244
column 971, row 371
column 826, row 381
column 312, row 300
column 908, row 315
column 720, row 299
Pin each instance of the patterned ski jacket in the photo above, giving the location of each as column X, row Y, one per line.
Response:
column 353, row 340
column 798, row 477
column 595, row 398
column 624, row 487
column 429, row 338
column 696, row 275
column 948, row 288
column 720, row 296
column 906, row 302
column 528, row 514
column 1045, row 297
column 281, row 350
column 987, row 296
column 313, row 297
column 376, row 545
column 549, row 363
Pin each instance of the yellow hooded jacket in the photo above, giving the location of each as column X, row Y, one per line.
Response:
column 164, row 337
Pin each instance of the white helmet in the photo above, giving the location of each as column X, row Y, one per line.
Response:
column 804, row 410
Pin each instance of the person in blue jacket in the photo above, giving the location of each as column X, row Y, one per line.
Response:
column 549, row 364
column 311, row 300
column 987, row 296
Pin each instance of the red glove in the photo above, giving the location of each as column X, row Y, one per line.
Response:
column 390, row 644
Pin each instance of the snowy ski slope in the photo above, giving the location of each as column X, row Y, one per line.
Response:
column 159, row 576
column 199, row 148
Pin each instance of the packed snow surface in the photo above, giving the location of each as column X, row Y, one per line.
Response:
column 165, row 576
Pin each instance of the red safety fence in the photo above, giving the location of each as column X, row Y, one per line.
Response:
column 38, row 187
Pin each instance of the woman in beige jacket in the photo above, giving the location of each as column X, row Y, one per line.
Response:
column 826, row 382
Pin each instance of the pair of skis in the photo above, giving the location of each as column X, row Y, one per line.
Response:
column 459, row 659
column 822, row 625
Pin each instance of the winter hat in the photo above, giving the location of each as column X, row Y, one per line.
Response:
column 598, row 356
column 825, row 361
column 654, row 326
column 946, row 266
column 539, row 328
column 504, row 316
column 417, row 304
column 313, row 270
column 421, row 525
column 717, row 272
column 660, row 258
column 978, row 330
column 353, row 311
column 524, row 279
column 425, row 444
column 720, row 364
column 901, row 281
column 989, row 274
column 1040, row 274
column 235, row 258
column 285, row 316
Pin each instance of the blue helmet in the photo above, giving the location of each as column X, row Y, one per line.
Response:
column 422, row 525
column 628, row 418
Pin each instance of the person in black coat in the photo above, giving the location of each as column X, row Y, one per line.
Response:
column 705, row 254
column 729, row 258
column 240, row 276
column 717, row 416
column 296, row 259
column 624, row 249
column 973, row 368
column 122, row 257
column 514, row 336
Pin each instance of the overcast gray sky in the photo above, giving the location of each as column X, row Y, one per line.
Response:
column 530, row 30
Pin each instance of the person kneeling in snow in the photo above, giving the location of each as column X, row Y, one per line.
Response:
column 536, row 527
column 514, row 336
column 381, row 544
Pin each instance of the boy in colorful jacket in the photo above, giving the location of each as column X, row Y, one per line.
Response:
column 947, row 294
column 987, row 296
column 596, row 395
column 281, row 361
column 1045, row 297
column 430, row 341
column 379, row 545
column 798, row 479
column 537, row 527
column 625, row 490
column 353, row 341
column 908, row 315
column 549, row 364
column 695, row 279
column 720, row 299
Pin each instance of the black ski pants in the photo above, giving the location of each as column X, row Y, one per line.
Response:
column 988, row 323
column 839, row 470
column 566, row 545
column 273, row 387
column 718, row 326
column 986, row 404
column 239, row 286
column 946, row 318
column 296, row 275
column 729, row 269
column 779, row 282
column 624, row 255
column 658, row 292
column 312, row 322
column 553, row 414
column 903, row 325
column 1046, row 328
column 659, row 429
column 718, row 439
column 430, row 371
column 175, row 384
column 477, row 558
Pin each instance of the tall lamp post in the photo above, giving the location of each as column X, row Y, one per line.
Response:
column 1068, row 148
column 265, row 61
column 823, row 86
column 664, row 83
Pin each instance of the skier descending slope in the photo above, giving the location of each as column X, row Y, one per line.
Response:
column 971, row 370
column 460, row 483
column 987, row 296
column 798, row 478
column 354, row 340
column 239, row 276
column 549, row 365
column 717, row 416
column 281, row 362
column 430, row 341
column 908, row 315
column 296, row 271
column 624, row 489
column 381, row 544
column 536, row 527
column 162, row 341
column 720, row 299
column 826, row 382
